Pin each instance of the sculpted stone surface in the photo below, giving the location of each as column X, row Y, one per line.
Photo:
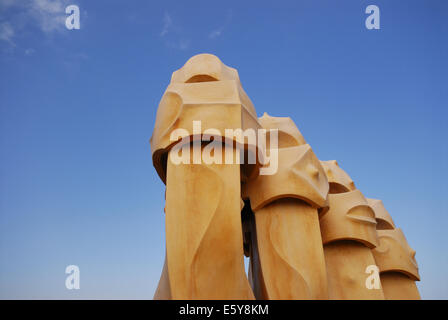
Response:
column 395, row 259
column 203, row 232
column 204, row 68
column 346, row 262
column 163, row 291
column 218, row 104
column 395, row 254
column 288, row 133
column 291, row 267
column 398, row 286
column 382, row 216
column 299, row 175
column 338, row 179
column 349, row 218
column 287, row 259
column 309, row 233
column 348, row 233
column 203, row 201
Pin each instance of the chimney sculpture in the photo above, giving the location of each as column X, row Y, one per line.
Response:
column 348, row 234
column 290, row 253
column 309, row 233
column 394, row 258
column 204, row 251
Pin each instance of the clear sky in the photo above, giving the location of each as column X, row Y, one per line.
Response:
column 77, row 109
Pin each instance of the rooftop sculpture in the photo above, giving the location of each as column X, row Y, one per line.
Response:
column 240, row 185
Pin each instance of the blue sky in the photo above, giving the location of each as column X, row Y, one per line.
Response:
column 77, row 109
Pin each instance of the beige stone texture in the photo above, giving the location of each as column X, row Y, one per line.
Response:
column 398, row 286
column 287, row 260
column 338, row 179
column 290, row 249
column 346, row 263
column 163, row 291
column 218, row 103
column 288, row 133
column 383, row 219
column 397, row 264
column 204, row 235
column 394, row 253
column 299, row 176
column 348, row 230
column 349, row 218
column 309, row 233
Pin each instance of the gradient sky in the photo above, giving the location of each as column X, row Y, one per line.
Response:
column 77, row 109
